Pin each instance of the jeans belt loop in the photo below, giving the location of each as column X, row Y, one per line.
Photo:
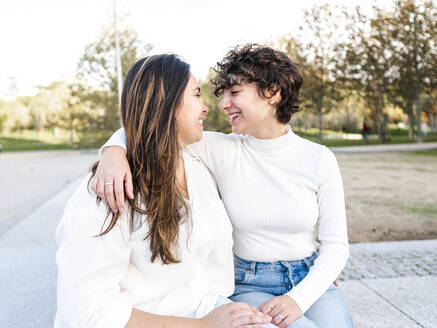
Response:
column 253, row 267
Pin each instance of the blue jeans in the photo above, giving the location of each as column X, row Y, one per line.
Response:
column 256, row 282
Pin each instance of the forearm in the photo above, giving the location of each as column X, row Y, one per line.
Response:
column 322, row 274
column 117, row 139
column 141, row 319
column 334, row 251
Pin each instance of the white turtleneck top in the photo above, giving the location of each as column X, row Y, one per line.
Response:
column 275, row 192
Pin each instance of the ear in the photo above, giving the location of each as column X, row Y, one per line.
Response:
column 276, row 98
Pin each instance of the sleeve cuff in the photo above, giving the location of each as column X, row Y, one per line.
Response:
column 117, row 139
column 299, row 299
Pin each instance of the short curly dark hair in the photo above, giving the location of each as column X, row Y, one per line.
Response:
column 271, row 70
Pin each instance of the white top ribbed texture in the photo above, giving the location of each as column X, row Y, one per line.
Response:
column 100, row 279
column 275, row 192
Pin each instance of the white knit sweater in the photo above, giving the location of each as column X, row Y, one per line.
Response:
column 100, row 279
column 275, row 192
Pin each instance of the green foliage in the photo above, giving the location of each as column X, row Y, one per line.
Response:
column 317, row 56
column 391, row 57
column 415, row 54
column 216, row 120
column 97, row 78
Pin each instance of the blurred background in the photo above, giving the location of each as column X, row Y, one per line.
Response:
column 366, row 64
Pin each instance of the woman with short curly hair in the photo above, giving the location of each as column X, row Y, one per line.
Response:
column 277, row 188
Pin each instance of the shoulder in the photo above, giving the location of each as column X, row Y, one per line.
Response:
column 316, row 156
column 315, row 151
column 84, row 199
column 219, row 139
column 83, row 216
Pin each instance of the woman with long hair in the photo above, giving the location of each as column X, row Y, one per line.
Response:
column 278, row 189
column 166, row 261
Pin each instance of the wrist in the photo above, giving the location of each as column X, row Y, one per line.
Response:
column 114, row 149
column 202, row 323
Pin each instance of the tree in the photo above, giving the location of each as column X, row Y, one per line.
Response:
column 3, row 115
column 369, row 64
column 414, row 39
column 46, row 104
column 318, row 57
column 97, row 71
column 75, row 115
column 216, row 120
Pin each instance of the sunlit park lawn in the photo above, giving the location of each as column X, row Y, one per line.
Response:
column 49, row 140
column 390, row 196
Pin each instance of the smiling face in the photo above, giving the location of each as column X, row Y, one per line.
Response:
column 248, row 112
column 189, row 118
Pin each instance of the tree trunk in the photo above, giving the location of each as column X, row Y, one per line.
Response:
column 71, row 133
column 380, row 121
column 411, row 123
column 320, row 117
column 419, row 115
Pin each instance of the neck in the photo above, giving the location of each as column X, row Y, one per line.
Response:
column 270, row 131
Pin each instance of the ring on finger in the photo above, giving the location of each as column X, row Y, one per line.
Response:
column 270, row 306
column 280, row 316
column 128, row 181
column 108, row 183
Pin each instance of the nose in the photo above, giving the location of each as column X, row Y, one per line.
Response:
column 205, row 109
column 225, row 102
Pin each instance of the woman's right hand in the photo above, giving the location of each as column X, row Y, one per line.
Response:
column 234, row 315
column 113, row 176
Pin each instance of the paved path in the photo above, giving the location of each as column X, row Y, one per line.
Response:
column 390, row 284
column 384, row 148
column 27, row 179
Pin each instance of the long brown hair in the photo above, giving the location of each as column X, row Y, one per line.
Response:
column 152, row 93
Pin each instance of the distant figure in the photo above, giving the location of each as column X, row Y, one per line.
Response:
column 365, row 132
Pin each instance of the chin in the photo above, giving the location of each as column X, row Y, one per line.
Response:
column 237, row 130
column 198, row 138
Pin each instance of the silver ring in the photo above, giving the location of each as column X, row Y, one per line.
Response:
column 108, row 183
column 280, row 316
column 270, row 306
column 128, row 180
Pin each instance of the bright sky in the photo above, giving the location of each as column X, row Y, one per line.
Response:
column 42, row 40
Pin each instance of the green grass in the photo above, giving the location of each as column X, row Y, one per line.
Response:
column 346, row 142
column 430, row 153
column 425, row 209
column 47, row 140
column 21, row 144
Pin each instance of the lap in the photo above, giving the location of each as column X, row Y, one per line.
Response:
column 257, row 298
column 329, row 311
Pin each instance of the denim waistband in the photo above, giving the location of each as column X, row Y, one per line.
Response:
column 274, row 266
